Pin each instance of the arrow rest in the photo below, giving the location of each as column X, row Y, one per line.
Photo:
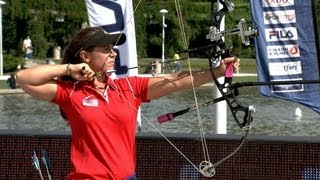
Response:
column 215, row 57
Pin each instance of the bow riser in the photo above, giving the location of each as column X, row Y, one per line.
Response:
column 215, row 36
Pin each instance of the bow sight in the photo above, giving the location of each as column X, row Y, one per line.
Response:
column 242, row 30
column 215, row 35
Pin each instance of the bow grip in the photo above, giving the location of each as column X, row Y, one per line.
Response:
column 228, row 74
column 229, row 70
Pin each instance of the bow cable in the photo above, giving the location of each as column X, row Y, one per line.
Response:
column 146, row 119
column 206, row 168
column 154, row 127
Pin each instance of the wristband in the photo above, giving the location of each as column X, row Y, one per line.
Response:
column 68, row 69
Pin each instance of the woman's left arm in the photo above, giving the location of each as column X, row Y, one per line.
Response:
column 161, row 86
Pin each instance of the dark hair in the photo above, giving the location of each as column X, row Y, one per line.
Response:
column 70, row 53
column 86, row 39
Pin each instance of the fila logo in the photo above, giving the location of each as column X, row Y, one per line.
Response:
column 281, row 34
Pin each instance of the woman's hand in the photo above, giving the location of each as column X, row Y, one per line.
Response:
column 236, row 65
column 225, row 62
column 81, row 72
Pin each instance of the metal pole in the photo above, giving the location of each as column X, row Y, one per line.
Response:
column 163, row 36
column 220, row 108
column 1, row 53
column 163, row 12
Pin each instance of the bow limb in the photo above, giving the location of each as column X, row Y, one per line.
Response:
column 230, row 96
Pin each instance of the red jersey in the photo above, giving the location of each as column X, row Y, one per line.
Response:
column 103, row 127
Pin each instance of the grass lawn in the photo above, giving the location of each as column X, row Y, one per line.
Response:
column 3, row 84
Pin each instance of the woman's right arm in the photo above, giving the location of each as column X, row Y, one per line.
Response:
column 39, row 82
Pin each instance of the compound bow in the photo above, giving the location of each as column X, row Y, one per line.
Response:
column 206, row 168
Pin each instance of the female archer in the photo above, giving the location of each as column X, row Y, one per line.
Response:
column 102, row 112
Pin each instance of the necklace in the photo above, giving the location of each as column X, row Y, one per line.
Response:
column 100, row 87
column 103, row 91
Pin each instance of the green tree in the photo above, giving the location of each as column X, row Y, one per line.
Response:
column 53, row 23
column 48, row 23
column 196, row 21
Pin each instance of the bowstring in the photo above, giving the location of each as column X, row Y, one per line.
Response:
column 154, row 127
column 186, row 46
column 145, row 118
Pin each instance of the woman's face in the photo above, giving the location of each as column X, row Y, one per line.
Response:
column 102, row 58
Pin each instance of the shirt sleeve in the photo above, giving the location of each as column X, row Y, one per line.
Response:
column 140, row 85
column 63, row 93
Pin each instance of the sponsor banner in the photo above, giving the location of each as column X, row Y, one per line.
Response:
column 286, row 49
column 285, row 68
column 277, row 3
column 117, row 17
column 283, row 51
column 287, row 87
column 281, row 34
column 283, row 17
